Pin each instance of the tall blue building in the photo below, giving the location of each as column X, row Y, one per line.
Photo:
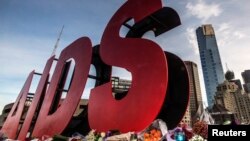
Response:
column 210, row 60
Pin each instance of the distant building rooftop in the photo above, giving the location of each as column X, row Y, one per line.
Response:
column 208, row 29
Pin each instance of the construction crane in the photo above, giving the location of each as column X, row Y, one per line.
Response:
column 57, row 42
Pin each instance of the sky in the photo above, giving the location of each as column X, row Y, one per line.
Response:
column 29, row 30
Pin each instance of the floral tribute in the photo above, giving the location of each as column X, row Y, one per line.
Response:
column 157, row 131
column 201, row 128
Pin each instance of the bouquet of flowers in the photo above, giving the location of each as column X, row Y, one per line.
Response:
column 201, row 128
column 154, row 132
column 180, row 133
column 197, row 138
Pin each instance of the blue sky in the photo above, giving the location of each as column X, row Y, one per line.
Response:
column 29, row 29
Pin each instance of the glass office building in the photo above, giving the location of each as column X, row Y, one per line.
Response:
column 210, row 60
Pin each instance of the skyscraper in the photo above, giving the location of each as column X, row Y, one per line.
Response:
column 195, row 99
column 246, row 78
column 210, row 60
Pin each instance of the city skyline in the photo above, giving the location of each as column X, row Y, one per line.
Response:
column 29, row 30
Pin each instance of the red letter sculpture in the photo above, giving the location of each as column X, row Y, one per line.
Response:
column 80, row 51
column 147, row 63
column 159, row 87
column 40, row 92
column 10, row 127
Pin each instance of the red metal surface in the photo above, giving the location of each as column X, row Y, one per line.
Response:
column 149, row 97
column 176, row 101
column 40, row 92
column 80, row 51
column 10, row 127
column 147, row 63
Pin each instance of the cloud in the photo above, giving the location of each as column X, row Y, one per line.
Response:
column 224, row 34
column 204, row 11
column 228, row 33
column 223, row 27
column 239, row 35
column 191, row 37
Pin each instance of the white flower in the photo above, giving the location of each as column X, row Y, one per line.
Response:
column 197, row 138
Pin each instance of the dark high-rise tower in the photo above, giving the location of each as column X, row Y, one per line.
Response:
column 210, row 60
column 246, row 78
column 230, row 77
column 195, row 98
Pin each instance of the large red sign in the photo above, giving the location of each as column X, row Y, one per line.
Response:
column 147, row 93
column 151, row 95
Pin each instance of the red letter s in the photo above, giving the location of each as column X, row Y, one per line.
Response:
column 147, row 63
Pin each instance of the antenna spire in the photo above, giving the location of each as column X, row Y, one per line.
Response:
column 57, row 42
column 227, row 67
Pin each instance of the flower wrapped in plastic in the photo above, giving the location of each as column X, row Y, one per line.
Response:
column 180, row 133
column 121, row 137
column 156, row 131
